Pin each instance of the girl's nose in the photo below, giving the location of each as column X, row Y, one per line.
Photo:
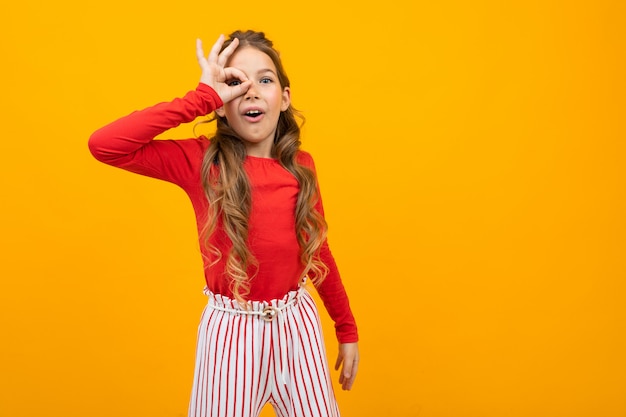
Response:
column 251, row 93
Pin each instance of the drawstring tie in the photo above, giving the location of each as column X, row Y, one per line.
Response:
column 268, row 314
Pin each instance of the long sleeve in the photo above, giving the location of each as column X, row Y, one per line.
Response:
column 335, row 298
column 128, row 142
column 331, row 290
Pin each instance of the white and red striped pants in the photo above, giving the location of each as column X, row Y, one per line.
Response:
column 244, row 361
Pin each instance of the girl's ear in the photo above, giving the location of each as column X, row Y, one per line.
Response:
column 220, row 111
column 286, row 99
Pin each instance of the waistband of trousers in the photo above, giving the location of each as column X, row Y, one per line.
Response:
column 267, row 310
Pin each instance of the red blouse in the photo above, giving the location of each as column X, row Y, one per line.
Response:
column 129, row 143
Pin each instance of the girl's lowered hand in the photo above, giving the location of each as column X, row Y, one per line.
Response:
column 228, row 82
column 349, row 356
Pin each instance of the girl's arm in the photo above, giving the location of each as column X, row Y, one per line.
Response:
column 128, row 142
column 331, row 290
column 335, row 299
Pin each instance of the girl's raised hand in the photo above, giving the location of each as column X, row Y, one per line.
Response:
column 219, row 77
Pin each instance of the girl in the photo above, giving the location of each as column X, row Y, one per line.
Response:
column 261, row 230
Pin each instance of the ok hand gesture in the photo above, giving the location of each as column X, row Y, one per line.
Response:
column 219, row 77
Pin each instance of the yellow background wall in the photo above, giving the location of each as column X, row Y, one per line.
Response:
column 472, row 160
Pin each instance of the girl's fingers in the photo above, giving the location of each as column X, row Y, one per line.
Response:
column 234, row 73
column 238, row 90
column 215, row 50
column 338, row 362
column 227, row 52
column 215, row 56
column 349, row 374
column 348, row 361
column 215, row 75
column 199, row 50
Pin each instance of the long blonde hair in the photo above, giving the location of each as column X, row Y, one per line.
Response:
column 227, row 187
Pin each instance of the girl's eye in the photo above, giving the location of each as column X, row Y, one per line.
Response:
column 233, row 83
column 266, row 80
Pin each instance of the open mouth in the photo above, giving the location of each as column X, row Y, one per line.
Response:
column 253, row 113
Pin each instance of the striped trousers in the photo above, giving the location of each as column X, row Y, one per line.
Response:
column 273, row 352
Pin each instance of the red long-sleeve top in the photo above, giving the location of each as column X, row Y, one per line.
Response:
column 129, row 143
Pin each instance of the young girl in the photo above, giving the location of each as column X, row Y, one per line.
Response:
column 261, row 230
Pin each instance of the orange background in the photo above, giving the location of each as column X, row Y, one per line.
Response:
column 472, row 160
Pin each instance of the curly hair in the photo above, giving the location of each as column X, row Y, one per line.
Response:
column 227, row 187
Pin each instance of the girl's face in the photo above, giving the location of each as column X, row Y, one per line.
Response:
column 254, row 115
